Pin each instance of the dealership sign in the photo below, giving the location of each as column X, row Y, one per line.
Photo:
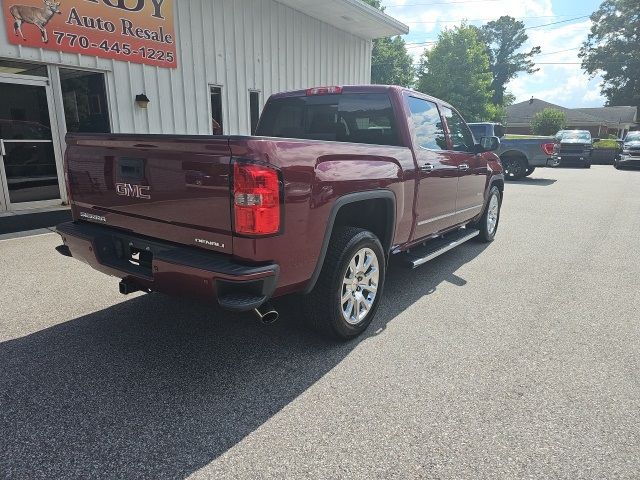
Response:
column 138, row 31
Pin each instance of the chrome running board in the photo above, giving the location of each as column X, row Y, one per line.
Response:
column 434, row 248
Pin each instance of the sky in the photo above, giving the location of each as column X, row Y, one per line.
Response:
column 560, row 79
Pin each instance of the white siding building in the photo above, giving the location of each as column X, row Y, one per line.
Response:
column 231, row 55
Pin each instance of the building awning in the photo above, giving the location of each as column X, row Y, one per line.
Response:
column 353, row 16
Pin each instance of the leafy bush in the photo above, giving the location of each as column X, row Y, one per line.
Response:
column 606, row 143
column 548, row 122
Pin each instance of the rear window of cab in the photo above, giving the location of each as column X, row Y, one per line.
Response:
column 366, row 118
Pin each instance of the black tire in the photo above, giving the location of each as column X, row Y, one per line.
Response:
column 515, row 168
column 587, row 165
column 487, row 236
column 323, row 306
column 530, row 170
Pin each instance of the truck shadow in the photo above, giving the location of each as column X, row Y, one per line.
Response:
column 157, row 387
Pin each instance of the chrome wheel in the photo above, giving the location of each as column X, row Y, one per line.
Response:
column 492, row 214
column 359, row 286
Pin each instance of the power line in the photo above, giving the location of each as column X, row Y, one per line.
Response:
column 556, row 23
column 490, row 19
column 427, row 42
column 416, row 64
column 417, row 44
column 559, row 51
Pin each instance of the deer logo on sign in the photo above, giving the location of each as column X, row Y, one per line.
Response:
column 39, row 17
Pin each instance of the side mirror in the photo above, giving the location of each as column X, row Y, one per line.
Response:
column 595, row 140
column 488, row 144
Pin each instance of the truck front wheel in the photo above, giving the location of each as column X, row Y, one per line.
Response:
column 488, row 223
column 347, row 294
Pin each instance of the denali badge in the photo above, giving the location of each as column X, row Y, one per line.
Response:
column 96, row 218
column 209, row 243
column 133, row 191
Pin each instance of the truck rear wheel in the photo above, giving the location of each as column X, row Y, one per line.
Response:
column 347, row 294
column 515, row 168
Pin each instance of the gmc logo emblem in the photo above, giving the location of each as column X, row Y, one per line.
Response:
column 133, row 191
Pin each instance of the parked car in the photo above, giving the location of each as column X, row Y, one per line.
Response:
column 340, row 180
column 520, row 156
column 574, row 148
column 630, row 155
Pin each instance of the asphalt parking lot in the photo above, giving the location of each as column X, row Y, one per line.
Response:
column 516, row 360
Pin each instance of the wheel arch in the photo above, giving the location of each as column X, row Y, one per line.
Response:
column 497, row 182
column 514, row 153
column 343, row 214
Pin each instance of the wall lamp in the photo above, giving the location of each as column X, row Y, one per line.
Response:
column 142, row 100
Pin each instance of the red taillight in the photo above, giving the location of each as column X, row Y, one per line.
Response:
column 256, row 195
column 547, row 148
column 324, row 91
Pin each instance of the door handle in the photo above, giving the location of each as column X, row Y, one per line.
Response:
column 464, row 167
column 427, row 167
column 3, row 152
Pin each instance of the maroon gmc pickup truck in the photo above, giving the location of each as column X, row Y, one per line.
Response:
column 338, row 180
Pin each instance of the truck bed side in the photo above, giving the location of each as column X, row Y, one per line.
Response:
column 316, row 175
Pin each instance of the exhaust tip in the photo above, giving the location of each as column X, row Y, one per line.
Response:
column 267, row 317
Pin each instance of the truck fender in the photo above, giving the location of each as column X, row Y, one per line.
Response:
column 387, row 195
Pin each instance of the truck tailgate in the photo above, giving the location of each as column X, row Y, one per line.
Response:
column 176, row 188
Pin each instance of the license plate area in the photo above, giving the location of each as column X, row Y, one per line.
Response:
column 130, row 255
column 140, row 258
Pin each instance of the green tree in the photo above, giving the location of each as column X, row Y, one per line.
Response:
column 613, row 49
column 548, row 122
column 391, row 64
column 504, row 38
column 456, row 69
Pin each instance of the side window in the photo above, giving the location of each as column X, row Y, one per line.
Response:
column 427, row 124
column 254, row 110
column 461, row 137
column 366, row 118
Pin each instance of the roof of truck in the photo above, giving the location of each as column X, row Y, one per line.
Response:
column 364, row 89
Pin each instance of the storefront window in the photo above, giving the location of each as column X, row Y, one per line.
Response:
column 26, row 144
column 21, row 68
column 84, row 96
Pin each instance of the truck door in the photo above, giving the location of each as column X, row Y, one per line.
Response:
column 472, row 167
column 435, row 206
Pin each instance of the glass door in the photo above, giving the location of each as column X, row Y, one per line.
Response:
column 29, row 176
